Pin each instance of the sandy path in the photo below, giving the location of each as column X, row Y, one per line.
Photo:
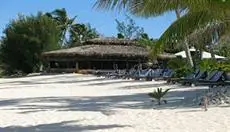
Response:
column 73, row 103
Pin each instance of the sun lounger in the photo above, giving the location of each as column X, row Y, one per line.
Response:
column 187, row 79
column 201, row 75
column 156, row 74
column 168, row 74
column 162, row 74
column 214, row 78
column 142, row 74
column 116, row 74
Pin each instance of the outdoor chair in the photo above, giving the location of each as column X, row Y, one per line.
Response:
column 201, row 75
column 214, row 78
column 140, row 74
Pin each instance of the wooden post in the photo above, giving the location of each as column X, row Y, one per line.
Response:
column 77, row 66
column 101, row 65
column 89, row 65
column 127, row 65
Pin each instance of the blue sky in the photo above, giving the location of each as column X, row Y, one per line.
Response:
column 103, row 21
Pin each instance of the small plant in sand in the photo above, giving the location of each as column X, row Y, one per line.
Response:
column 158, row 95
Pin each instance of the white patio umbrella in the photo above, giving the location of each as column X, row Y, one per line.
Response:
column 207, row 55
column 204, row 55
column 183, row 53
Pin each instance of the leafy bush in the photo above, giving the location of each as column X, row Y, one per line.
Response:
column 25, row 38
column 181, row 72
column 179, row 66
column 158, row 94
column 224, row 66
column 176, row 63
column 208, row 65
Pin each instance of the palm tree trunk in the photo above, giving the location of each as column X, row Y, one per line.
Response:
column 212, row 53
column 215, row 41
column 187, row 51
column 159, row 101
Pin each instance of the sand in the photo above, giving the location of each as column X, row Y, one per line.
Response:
column 75, row 103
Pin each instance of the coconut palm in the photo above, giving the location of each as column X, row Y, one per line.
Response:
column 80, row 33
column 65, row 23
column 191, row 15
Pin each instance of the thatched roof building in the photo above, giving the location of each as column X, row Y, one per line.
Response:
column 99, row 54
column 101, row 50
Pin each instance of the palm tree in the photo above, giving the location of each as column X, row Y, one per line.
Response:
column 196, row 14
column 80, row 33
column 65, row 23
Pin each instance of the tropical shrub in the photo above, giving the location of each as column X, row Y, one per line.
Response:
column 176, row 63
column 181, row 72
column 224, row 66
column 208, row 65
column 159, row 94
column 179, row 66
column 25, row 38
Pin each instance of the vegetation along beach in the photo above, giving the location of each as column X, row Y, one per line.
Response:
column 115, row 66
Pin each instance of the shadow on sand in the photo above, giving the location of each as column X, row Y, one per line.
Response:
column 140, row 86
column 67, row 126
column 33, row 82
column 105, row 104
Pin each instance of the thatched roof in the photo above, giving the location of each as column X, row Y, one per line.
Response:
column 101, row 50
column 166, row 56
column 111, row 41
column 105, row 47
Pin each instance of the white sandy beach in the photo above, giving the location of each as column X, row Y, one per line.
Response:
column 75, row 103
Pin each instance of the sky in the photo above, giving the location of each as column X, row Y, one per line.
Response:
column 103, row 21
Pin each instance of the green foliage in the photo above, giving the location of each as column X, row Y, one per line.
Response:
column 223, row 47
column 183, row 71
column 129, row 29
column 224, row 66
column 180, row 67
column 65, row 23
column 25, row 38
column 211, row 65
column 80, row 33
column 176, row 63
column 120, row 36
column 192, row 15
column 208, row 64
column 158, row 94
column 150, row 45
column 73, row 34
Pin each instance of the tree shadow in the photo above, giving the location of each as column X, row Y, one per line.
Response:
column 33, row 82
column 66, row 126
column 107, row 105
column 140, row 86
column 182, row 99
column 107, row 83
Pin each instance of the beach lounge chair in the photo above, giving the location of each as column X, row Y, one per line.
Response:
column 155, row 74
column 201, row 75
column 140, row 74
column 168, row 74
column 116, row 74
column 214, row 78
column 162, row 74
column 190, row 77
column 130, row 74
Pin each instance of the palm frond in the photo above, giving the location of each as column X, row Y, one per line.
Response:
column 187, row 25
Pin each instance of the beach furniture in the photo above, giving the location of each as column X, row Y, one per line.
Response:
column 140, row 74
column 214, row 78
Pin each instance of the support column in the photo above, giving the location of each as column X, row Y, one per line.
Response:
column 127, row 65
column 77, row 66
